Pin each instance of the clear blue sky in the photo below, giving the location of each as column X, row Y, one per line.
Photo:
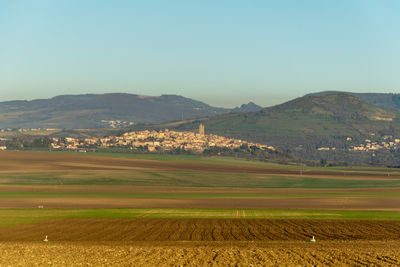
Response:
column 223, row 52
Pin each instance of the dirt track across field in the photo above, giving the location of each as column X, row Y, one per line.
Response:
column 11, row 161
column 129, row 230
column 127, row 189
column 350, row 253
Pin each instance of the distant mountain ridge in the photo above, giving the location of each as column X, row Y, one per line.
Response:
column 89, row 110
column 249, row 107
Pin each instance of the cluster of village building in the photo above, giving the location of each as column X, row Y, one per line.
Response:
column 385, row 142
column 163, row 140
column 117, row 123
column 27, row 129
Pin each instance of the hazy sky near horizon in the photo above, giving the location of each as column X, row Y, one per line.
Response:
column 222, row 52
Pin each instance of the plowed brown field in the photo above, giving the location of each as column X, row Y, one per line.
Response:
column 200, row 242
column 126, row 230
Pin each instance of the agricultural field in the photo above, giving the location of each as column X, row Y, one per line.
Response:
column 158, row 210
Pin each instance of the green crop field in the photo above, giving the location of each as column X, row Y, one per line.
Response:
column 10, row 217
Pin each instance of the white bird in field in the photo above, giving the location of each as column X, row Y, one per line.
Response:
column 45, row 239
column 313, row 239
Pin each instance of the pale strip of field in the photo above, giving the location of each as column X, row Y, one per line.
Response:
column 204, row 195
column 329, row 203
column 127, row 189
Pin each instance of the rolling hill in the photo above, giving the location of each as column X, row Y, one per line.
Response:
column 305, row 124
column 387, row 101
column 88, row 111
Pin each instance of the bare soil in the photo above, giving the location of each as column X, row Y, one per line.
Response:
column 283, row 253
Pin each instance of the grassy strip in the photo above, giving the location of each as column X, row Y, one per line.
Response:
column 188, row 179
column 194, row 195
column 10, row 217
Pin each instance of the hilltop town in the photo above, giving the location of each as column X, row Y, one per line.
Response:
column 166, row 140
column 163, row 140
